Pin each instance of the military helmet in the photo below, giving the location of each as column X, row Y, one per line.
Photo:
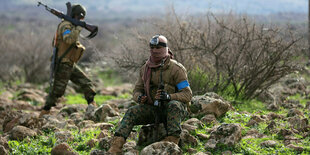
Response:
column 78, row 10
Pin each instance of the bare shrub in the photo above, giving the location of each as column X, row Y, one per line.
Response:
column 224, row 54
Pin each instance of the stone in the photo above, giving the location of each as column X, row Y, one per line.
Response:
column 21, row 132
column 105, row 111
column 148, row 134
column 63, row 136
column 97, row 152
column 210, row 103
column 269, row 143
column 63, row 149
column 162, row 148
column 202, row 136
column 104, row 143
column 294, row 112
column 226, row 134
column 3, row 151
column 188, row 139
column 296, row 148
column 92, row 143
column 209, row 119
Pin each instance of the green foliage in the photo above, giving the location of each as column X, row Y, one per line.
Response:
column 32, row 146
column 43, row 144
column 100, row 99
column 249, row 106
column 198, row 80
column 109, row 77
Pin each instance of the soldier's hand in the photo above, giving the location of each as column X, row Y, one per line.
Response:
column 162, row 95
column 142, row 99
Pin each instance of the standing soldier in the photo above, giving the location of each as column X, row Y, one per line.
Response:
column 157, row 103
column 69, row 51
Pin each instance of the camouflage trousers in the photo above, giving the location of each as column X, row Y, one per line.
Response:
column 171, row 113
column 64, row 73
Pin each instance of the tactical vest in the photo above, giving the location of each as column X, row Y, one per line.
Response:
column 75, row 52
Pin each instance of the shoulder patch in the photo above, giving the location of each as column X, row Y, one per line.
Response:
column 64, row 25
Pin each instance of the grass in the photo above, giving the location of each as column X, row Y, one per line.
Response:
column 43, row 144
column 100, row 99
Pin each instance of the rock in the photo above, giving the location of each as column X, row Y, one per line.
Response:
column 194, row 122
column 202, row 136
column 30, row 120
column 204, row 153
column 3, row 151
column 21, row 132
column 4, row 143
column 92, row 143
column 269, row 143
column 272, row 116
column 296, row 148
column 31, row 95
column 148, row 134
column 253, row 133
column 104, row 143
column 225, row 134
column 162, row 148
column 11, row 119
column 209, row 119
column 226, row 153
column 188, row 139
column 53, row 121
column 105, row 111
column 272, row 125
column 70, row 109
column 97, row 152
column 103, row 126
column 63, row 136
column 294, row 112
column 256, row 119
column 189, row 128
column 284, row 132
column 103, row 134
column 210, row 103
column 86, row 124
column 130, row 146
column 63, row 149
column 273, row 107
column 298, row 123
column 289, row 104
column 132, row 152
column 6, row 95
column 191, row 151
column 90, row 113
column 291, row 139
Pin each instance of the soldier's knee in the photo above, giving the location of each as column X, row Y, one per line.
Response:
column 174, row 105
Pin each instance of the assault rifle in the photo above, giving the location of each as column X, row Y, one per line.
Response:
column 91, row 28
column 159, row 103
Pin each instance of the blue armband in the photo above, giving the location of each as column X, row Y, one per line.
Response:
column 182, row 85
column 66, row 32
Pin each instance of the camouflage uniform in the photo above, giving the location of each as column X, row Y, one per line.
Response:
column 172, row 112
column 67, row 35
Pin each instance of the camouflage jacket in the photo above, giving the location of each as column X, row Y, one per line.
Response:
column 175, row 80
column 66, row 35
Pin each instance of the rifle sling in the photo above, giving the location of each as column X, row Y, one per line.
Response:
column 66, row 52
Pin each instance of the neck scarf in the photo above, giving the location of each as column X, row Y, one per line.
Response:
column 153, row 63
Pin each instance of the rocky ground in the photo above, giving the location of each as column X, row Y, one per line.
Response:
column 215, row 125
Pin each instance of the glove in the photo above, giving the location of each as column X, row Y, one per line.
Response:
column 142, row 98
column 164, row 96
